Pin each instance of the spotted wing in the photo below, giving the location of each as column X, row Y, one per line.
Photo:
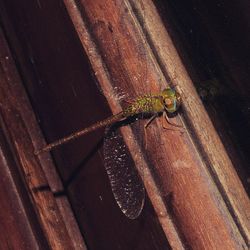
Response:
column 126, row 184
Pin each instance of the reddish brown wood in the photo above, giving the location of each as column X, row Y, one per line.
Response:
column 44, row 227
column 50, row 79
column 190, row 208
column 17, row 229
column 218, row 159
column 198, row 205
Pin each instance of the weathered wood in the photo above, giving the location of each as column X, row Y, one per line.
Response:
column 198, row 204
column 55, row 69
column 211, row 149
column 18, row 124
column 18, row 230
column 188, row 176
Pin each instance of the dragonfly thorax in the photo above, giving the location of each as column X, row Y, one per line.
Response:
column 167, row 100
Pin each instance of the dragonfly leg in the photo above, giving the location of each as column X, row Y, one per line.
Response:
column 146, row 125
column 146, row 140
column 166, row 119
column 150, row 120
column 169, row 122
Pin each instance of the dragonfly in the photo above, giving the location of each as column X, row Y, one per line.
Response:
column 149, row 105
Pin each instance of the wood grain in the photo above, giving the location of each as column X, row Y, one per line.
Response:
column 18, row 124
column 199, row 176
column 197, row 197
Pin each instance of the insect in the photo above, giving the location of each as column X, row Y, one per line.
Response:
column 124, row 184
column 167, row 101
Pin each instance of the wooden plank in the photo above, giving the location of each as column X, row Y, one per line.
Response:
column 17, row 229
column 190, row 207
column 197, row 203
column 58, row 83
column 210, row 146
column 18, row 123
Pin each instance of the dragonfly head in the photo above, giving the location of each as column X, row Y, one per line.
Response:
column 171, row 99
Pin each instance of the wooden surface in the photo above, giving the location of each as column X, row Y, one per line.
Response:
column 191, row 183
column 190, row 173
column 213, row 153
column 79, row 165
column 32, row 219
column 17, row 228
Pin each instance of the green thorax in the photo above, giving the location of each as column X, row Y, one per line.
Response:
column 145, row 104
column 167, row 100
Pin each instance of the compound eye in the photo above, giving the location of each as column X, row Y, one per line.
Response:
column 170, row 105
column 168, row 102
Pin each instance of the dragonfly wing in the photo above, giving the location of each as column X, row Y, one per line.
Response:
column 126, row 184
